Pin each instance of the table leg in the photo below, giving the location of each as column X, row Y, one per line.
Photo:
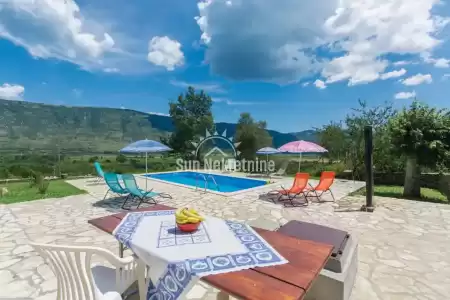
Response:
column 121, row 250
column 141, row 270
column 222, row 296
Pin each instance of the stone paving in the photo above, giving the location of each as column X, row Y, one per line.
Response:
column 402, row 245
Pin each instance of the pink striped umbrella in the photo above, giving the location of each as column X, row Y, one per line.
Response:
column 301, row 147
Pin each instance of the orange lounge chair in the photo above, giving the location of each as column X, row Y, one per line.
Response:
column 299, row 187
column 326, row 181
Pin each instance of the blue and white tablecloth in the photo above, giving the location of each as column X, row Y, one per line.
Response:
column 177, row 260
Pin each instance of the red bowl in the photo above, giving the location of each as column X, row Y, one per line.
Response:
column 188, row 227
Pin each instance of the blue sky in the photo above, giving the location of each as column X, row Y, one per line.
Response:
column 296, row 65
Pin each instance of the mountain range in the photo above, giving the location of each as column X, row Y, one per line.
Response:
column 36, row 126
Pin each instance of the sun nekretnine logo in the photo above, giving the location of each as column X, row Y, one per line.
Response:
column 223, row 155
column 223, row 137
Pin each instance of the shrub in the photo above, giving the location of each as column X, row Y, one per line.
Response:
column 93, row 159
column 36, row 179
column 107, row 161
column 121, row 158
column 43, row 186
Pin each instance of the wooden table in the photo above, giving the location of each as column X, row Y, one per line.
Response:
column 282, row 282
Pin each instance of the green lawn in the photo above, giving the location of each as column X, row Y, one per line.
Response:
column 21, row 191
column 428, row 195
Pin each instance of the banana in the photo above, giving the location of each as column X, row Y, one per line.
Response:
column 189, row 214
column 182, row 221
column 179, row 213
column 193, row 220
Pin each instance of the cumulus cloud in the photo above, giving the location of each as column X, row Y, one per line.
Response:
column 11, row 91
column 165, row 52
column 207, row 87
column 418, row 79
column 393, row 74
column 247, row 40
column 265, row 41
column 306, row 83
column 320, row 84
column 405, row 95
column 54, row 29
column 437, row 62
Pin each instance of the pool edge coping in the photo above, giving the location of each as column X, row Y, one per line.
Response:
column 207, row 190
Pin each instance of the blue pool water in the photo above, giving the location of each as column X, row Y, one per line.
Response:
column 225, row 184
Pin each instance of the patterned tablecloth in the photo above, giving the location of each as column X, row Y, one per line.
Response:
column 177, row 259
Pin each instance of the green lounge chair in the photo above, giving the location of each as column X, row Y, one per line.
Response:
column 112, row 180
column 135, row 191
column 99, row 170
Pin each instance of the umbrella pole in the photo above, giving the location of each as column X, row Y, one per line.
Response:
column 299, row 161
column 146, row 170
column 267, row 163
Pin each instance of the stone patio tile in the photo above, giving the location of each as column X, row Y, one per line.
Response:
column 396, row 259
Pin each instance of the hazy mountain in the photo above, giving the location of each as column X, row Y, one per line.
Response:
column 27, row 125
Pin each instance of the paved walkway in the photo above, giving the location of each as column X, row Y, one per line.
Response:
column 402, row 253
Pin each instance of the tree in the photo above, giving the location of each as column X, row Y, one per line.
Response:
column 191, row 115
column 422, row 134
column 251, row 135
column 333, row 137
column 377, row 117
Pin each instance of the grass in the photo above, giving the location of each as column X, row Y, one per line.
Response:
column 427, row 195
column 22, row 192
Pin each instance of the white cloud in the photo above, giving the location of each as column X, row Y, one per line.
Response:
column 437, row 62
column 405, row 95
column 445, row 76
column 165, row 52
column 320, row 84
column 359, row 34
column 355, row 68
column 54, row 29
column 233, row 103
column 393, row 74
column 306, row 83
column 418, row 79
column 207, row 87
column 111, row 70
column 11, row 91
column 442, row 63
column 159, row 114
column 402, row 63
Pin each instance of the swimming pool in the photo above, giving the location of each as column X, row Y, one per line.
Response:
column 225, row 184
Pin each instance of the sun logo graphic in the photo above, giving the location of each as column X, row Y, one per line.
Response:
column 216, row 150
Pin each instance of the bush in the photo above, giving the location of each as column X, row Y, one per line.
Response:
column 20, row 171
column 43, row 186
column 36, row 179
column 93, row 159
column 107, row 161
column 121, row 158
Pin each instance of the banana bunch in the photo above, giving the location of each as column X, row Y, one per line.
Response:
column 187, row 215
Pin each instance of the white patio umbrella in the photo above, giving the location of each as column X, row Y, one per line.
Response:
column 145, row 146
column 267, row 151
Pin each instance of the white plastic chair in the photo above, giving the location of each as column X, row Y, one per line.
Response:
column 79, row 279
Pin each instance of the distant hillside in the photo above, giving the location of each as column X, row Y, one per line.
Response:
column 27, row 125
